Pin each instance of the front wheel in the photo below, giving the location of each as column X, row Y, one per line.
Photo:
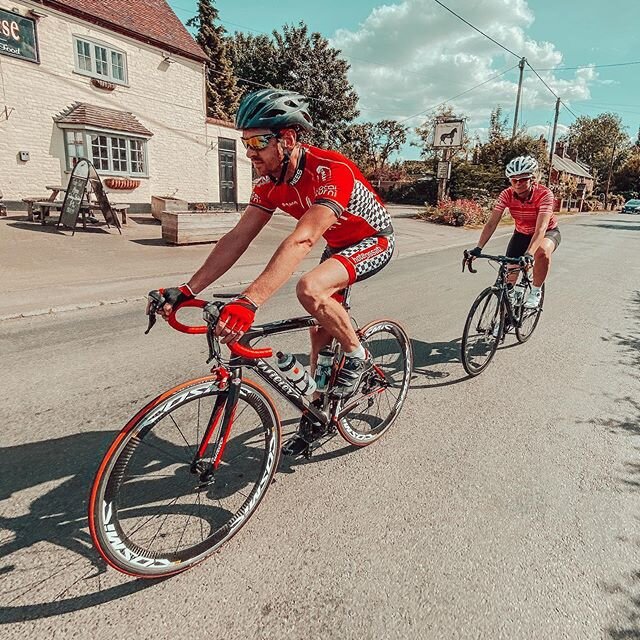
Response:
column 482, row 331
column 367, row 415
column 528, row 318
column 153, row 512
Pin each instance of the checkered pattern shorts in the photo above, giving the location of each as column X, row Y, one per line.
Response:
column 364, row 259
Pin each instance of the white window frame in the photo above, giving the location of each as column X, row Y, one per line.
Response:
column 88, row 153
column 110, row 49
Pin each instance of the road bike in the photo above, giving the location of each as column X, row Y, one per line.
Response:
column 191, row 467
column 495, row 313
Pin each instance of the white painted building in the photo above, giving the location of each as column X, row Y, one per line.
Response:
column 121, row 83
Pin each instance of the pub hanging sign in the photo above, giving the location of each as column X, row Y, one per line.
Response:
column 18, row 36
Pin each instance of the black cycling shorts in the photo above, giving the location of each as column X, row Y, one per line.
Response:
column 519, row 242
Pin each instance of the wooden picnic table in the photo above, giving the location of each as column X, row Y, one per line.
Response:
column 44, row 205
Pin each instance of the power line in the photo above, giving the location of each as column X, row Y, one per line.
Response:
column 508, row 50
column 476, row 29
column 590, row 66
column 552, row 91
column 460, row 94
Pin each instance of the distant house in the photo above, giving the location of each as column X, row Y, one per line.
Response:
column 122, row 83
column 565, row 165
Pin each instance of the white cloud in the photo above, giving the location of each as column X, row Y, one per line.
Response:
column 546, row 130
column 408, row 57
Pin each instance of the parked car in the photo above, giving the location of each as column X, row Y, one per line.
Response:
column 631, row 206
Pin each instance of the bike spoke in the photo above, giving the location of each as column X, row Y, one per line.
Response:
column 189, row 446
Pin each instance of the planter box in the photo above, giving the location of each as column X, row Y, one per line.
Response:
column 187, row 227
column 160, row 204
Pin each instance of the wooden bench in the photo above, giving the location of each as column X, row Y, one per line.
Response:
column 30, row 202
column 121, row 209
column 45, row 207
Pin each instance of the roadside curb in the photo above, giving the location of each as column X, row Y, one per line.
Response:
column 223, row 285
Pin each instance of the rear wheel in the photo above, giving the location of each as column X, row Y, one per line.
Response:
column 367, row 415
column 482, row 332
column 528, row 318
column 152, row 512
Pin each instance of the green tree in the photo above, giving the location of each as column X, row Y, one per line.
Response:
column 253, row 58
column 222, row 92
column 599, row 141
column 626, row 180
column 500, row 147
column 371, row 144
column 297, row 60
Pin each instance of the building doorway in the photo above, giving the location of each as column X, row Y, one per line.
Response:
column 227, row 165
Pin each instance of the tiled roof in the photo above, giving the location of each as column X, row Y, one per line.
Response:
column 569, row 166
column 151, row 21
column 102, row 117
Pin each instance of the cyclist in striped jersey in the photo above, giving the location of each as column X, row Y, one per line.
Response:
column 536, row 236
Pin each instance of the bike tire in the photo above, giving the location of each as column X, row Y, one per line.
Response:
column 481, row 335
column 149, row 514
column 383, row 389
column 528, row 318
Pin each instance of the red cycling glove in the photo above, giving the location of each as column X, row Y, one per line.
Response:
column 238, row 315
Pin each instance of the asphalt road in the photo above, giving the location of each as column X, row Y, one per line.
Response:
column 500, row 507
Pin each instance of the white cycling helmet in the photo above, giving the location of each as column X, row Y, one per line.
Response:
column 521, row 165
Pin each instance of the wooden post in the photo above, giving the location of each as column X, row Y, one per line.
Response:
column 606, row 193
column 515, row 115
column 553, row 140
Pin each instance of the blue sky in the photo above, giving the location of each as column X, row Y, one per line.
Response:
column 409, row 56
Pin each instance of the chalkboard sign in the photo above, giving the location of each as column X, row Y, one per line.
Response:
column 83, row 173
column 75, row 194
column 101, row 197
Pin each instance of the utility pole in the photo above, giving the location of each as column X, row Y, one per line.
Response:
column 515, row 116
column 553, row 140
column 606, row 193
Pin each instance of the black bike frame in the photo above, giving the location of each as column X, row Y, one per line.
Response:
column 500, row 285
column 270, row 375
column 275, row 380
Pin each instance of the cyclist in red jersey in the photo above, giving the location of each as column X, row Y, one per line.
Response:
column 536, row 235
column 330, row 198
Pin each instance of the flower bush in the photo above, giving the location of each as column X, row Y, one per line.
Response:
column 457, row 213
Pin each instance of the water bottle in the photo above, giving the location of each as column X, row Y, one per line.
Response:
column 323, row 369
column 518, row 294
column 295, row 373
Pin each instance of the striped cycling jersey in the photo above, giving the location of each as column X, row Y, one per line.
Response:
column 525, row 212
column 327, row 178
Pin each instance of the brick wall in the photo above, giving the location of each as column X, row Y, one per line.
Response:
column 168, row 99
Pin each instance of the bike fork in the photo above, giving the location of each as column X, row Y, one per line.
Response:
column 224, row 407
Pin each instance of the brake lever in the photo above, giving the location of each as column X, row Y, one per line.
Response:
column 468, row 260
column 154, row 301
column 211, row 315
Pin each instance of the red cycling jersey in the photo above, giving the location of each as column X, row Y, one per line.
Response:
column 327, row 178
column 525, row 212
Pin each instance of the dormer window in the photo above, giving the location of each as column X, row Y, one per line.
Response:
column 99, row 60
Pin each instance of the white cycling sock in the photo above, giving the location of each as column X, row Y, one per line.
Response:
column 357, row 353
column 535, row 289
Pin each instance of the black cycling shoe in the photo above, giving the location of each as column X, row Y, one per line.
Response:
column 350, row 376
column 309, row 430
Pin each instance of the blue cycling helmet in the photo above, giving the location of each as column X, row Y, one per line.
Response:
column 273, row 109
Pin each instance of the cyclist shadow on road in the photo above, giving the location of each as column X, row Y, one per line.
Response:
column 53, row 477
column 437, row 363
